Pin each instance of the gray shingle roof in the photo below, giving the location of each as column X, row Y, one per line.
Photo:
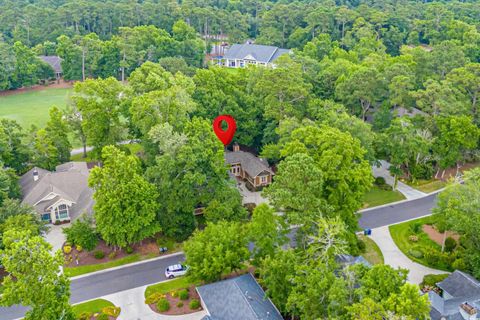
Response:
column 463, row 288
column 54, row 61
column 260, row 53
column 239, row 298
column 250, row 164
column 460, row 284
column 69, row 182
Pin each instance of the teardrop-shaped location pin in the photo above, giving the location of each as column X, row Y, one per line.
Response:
column 225, row 136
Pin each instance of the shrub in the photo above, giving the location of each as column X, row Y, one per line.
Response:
column 432, row 257
column 128, row 250
column 111, row 311
column 82, row 233
column 99, row 254
column 194, row 304
column 362, row 247
column 380, row 181
column 163, row 305
column 432, row 279
column 112, row 255
column 179, row 304
column 174, row 294
column 154, row 298
column 415, row 253
column 102, row 316
column 459, row 264
column 86, row 315
column 450, row 244
column 415, row 228
column 79, row 248
column 183, row 294
column 67, row 249
column 413, row 238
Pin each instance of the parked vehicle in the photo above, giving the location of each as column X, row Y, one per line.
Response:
column 176, row 270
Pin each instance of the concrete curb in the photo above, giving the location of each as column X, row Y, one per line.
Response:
column 126, row 265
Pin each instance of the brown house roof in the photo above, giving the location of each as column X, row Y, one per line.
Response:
column 250, row 163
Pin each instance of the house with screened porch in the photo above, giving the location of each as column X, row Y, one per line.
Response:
column 58, row 196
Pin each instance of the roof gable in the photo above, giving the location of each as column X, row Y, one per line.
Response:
column 460, row 284
column 250, row 163
column 256, row 52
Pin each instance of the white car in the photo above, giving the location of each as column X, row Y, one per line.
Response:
column 176, row 270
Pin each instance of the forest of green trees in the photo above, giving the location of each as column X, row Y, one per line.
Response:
column 322, row 116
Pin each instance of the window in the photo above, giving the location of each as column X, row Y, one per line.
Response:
column 263, row 179
column 61, row 212
column 46, row 216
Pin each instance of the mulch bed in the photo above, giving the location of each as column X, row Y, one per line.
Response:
column 450, row 172
column 185, row 309
column 436, row 236
column 84, row 257
column 61, row 85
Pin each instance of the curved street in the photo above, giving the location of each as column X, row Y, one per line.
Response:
column 107, row 282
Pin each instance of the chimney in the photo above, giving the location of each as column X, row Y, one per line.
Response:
column 236, row 147
column 467, row 311
column 35, row 174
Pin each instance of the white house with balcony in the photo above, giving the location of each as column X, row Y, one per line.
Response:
column 242, row 55
column 58, row 196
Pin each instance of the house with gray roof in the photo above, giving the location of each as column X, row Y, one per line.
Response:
column 459, row 298
column 61, row 195
column 55, row 62
column 239, row 298
column 248, row 167
column 242, row 55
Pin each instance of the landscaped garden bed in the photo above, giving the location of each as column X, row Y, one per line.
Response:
column 174, row 297
column 98, row 309
column 421, row 241
column 80, row 261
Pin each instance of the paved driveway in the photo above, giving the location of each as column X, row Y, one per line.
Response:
column 249, row 196
column 409, row 192
column 395, row 258
column 56, row 237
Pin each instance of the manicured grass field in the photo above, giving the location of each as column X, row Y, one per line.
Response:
column 427, row 186
column 93, row 306
column 376, row 197
column 372, row 254
column 400, row 234
column 168, row 286
column 32, row 107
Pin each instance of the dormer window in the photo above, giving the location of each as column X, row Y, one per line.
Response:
column 61, row 212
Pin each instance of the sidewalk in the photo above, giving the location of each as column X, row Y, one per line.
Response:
column 132, row 303
column 395, row 258
column 409, row 192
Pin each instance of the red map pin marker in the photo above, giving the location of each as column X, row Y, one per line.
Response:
column 225, row 136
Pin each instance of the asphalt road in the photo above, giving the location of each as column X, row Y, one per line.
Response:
column 97, row 285
column 396, row 213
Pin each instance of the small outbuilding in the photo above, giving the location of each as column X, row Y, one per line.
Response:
column 55, row 62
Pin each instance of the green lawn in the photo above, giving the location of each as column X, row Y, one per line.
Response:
column 168, row 286
column 134, row 148
column 427, row 186
column 376, row 197
column 76, row 271
column 32, row 107
column 372, row 254
column 93, row 306
column 400, row 234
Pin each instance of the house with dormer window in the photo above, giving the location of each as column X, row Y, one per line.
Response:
column 242, row 55
column 58, row 196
